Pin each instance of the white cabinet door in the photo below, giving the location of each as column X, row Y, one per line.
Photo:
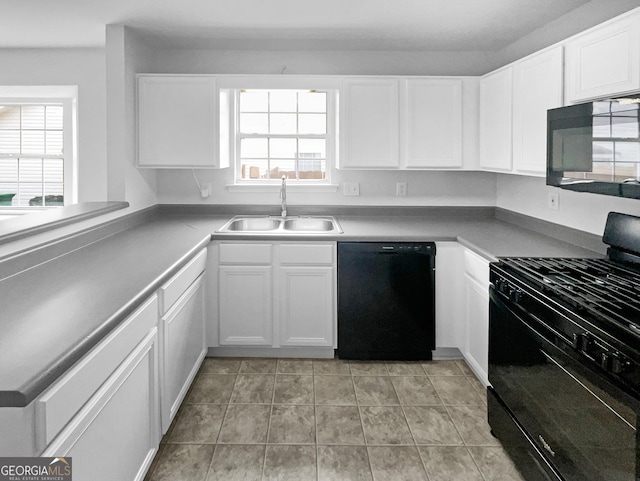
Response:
column 116, row 435
column 245, row 305
column 184, row 346
column 604, row 61
column 537, row 87
column 495, row 120
column 369, row 124
column 306, row 306
column 477, row 319
column 432, row 112
column 450, row 326
column 177, row 122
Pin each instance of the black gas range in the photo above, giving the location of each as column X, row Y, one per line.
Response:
column 564, row 360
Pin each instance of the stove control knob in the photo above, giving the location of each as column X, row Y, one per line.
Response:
column 516, row 295
column 618, row 363
column 605, row 361
column 582, row 342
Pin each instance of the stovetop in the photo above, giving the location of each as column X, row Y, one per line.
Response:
column 593, row 288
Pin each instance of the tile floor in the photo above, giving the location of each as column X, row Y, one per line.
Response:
column 325, row 420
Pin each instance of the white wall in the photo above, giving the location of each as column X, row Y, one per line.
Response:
column 583, row 211
column 84, row 68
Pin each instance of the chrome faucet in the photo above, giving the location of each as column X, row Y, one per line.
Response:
column 283, row 196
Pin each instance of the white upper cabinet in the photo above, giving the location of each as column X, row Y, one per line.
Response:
column 178, row 122
column 432, row 111
column 604, row 61
column 369, row 124
column 537, row 87
column 496, row 120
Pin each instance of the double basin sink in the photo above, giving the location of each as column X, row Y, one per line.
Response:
column 249, row 224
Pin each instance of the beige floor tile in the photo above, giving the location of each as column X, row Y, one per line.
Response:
column 183, row 462
column 343, row 463
column 290, row 463
column 449, row 463
column 211, row 388
column 339, row 425
column 495, row 464
column 396, row 463
column 292, row 425
column 442, row 368
column 472, row 425
column 237, row 462
column 368, row 368
column 259, row 366
column 432, row 425
column 331, row 367
column 456, row 391
column 245, row 424
column 375, row 391
column 253, row 388
column 415, row 391
column 479, row 388
column 198, row 424
column 334, row 390
column 464, row 367
column 295, row 366
column 400, row 368
column 220, row 365
column 385, row 425
column 293, row 389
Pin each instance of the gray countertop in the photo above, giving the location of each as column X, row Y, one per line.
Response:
column 54, row 313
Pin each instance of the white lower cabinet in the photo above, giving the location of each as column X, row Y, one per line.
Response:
column 476, row 316
column 276, row 294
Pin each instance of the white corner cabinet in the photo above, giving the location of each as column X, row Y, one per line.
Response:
column 605, row 60
column 275, row 295
column 406, row 123
column 179, row 122
column 496, row 120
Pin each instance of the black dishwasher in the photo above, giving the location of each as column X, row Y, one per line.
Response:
column 386, row 300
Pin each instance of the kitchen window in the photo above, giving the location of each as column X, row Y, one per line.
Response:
column 34, row 161
column 284, row 132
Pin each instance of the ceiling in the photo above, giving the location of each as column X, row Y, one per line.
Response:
column 411, row 25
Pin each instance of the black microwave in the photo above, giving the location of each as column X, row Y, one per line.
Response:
column 595, row 147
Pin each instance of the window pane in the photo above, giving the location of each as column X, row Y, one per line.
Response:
column 254, row 169
column 282, row 167
column 30, row 194
column 9, row 141
column 624, row 171
column 626, row 151
column 32, row 142
column 30, row 170
column 9, row 171
column 603, row 151
column 254, row 123
column 53, row 117
column 53, row 194
column 283, row 124
column 624, row 128
column 312, row 149
column 254, row 148
column 53, row 142
column 9, row 117
column 312, row 124
column 254, row 101
column 283, row 101
column 602, row 127
column 283, row 148
column 11, row 189
column 33, row 117
column 53, row 171
column 312, row 102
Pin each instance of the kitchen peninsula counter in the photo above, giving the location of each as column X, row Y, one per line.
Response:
column 54, row 312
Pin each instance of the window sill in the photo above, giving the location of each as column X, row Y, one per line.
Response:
column 310, row 188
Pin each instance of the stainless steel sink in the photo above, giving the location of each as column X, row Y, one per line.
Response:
column 291, row 225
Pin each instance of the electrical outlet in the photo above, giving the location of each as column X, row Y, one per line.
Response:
column 401, row 189
column 351, row 188
column 205, row 190
column 553, row 200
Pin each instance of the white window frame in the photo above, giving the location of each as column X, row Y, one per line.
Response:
column 67, row 97
column 330, row 138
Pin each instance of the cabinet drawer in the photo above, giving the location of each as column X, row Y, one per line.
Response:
column 63, row 399
column 245, row 254
column 175, row 287
column 476, row 267
column 306, row 254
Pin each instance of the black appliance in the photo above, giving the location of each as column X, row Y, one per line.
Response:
column 595, row 147
column 564, row 361
column 386, row 300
